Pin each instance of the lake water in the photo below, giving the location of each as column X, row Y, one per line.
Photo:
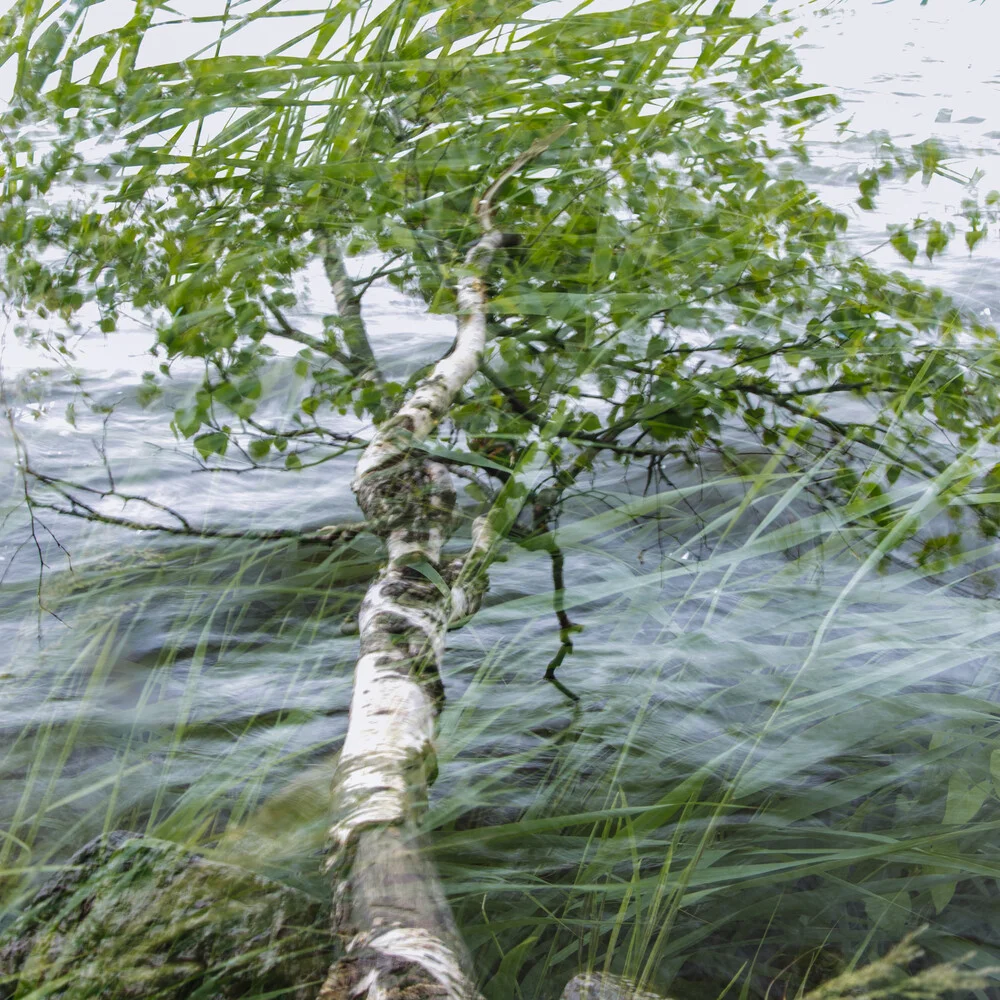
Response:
column 768, row 745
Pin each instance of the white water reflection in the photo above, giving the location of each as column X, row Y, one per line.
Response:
column 915, row 72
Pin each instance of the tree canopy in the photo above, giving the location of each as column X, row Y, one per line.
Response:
column 670, row 271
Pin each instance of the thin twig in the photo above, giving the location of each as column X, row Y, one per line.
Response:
column 86, row 511
column 543, row 538
column 327, row 533
column 21, row 451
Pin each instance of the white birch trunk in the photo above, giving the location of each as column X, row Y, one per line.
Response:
column 401, row 940
column 389, row 905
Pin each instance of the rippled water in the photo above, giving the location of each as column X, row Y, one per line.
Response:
column 184, row 684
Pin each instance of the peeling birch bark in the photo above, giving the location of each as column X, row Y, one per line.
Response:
column 401, row 938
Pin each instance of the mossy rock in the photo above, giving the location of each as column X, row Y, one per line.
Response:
column 133, row 917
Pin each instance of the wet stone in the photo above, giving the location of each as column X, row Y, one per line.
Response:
column 135, row 917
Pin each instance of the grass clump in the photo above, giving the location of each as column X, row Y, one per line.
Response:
column 888, row 979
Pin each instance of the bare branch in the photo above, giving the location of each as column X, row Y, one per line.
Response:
column 361, row 285
column 328, row 533
column 78, row 507
column 21, row 451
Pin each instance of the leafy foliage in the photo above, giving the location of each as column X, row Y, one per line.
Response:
column 672, row 273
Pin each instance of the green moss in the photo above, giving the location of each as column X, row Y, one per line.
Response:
column 136, row 917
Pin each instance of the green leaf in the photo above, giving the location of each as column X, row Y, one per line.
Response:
column 964, row 798
column 188, row 419
column 148, row 390
column 930, row 154
column 259, row 448
column 973, row 237
column 503, row 984
column 943, row 887
column 890, row 914
column 937, row 240
column 212, row 443
column 426, row 569
column 903, row 245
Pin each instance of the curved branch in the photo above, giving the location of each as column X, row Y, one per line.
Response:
column 289, row 332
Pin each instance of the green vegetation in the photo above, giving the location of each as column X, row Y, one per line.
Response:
column 104, row 923
column 760, row 472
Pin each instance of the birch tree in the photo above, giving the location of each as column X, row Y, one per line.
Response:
column 608, row 204
column 403, row 940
